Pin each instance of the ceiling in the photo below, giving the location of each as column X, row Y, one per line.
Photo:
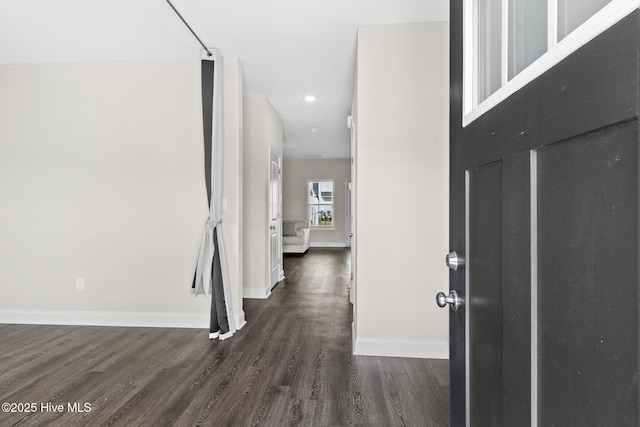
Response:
column 289, row 48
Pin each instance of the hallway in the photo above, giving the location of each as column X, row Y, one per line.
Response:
column 290, row 365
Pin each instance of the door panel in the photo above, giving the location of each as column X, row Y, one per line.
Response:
column 499, row 293
column 516, row 290
column 484, row 295
column 587, row 280
column 551, row 293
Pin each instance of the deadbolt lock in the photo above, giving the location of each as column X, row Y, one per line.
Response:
column 454, row 260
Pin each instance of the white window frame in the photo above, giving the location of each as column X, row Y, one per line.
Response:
column 557, row 51
column 333, row 206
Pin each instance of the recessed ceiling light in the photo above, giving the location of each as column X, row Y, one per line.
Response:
column 309, row 98
column 313, row 130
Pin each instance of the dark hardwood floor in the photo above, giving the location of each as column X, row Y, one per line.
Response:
column 290, row 365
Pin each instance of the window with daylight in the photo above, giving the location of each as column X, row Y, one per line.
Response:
column 508, row 43
column 320, row 204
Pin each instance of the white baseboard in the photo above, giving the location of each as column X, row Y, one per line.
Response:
column 328, row 245
column 106, row 318
column 353, row 337
column 401, row 348
column 256, row 293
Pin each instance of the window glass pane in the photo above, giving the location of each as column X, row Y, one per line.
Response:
column 313, row 214
column 326, row 190
column 314, row 193
column 527, row 33
column 321, row 215
column 489, row 27
column 572, row 13
column 321, row 192
column 320, row 201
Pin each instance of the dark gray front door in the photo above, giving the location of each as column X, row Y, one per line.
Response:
column 544, row 209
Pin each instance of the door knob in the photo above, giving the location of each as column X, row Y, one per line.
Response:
column 452, row 299
column 454, row 261
column 350, row 234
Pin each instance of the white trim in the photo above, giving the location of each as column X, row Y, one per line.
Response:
column 328, row 245
column 347, row 212
column 504, row 39
column 106, row 318
column 390, row 347
column 594, row 26
column 533, row 185
column 256, row 293
column 469, row 58
column 467, row 295
column 552, row 23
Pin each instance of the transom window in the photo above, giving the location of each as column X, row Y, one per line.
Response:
column 508, row 43
column 320, row 203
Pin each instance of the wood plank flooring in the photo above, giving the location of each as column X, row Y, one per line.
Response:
column 290, row 365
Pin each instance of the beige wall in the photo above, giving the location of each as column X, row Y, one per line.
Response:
column 295, row 174
column 101, row 168
column 101, row 177
column 402, row 170
column 262, row 129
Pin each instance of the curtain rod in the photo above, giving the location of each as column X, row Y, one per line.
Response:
column 190, row 29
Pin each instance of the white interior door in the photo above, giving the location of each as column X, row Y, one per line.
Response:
column 275, row 244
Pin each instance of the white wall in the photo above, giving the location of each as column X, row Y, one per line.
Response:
column 295, row 192
column 262, row 129
column 101, row 177
column 402, row 160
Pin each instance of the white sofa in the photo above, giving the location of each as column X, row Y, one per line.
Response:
column 295, row 236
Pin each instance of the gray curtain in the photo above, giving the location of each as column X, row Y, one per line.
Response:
column 212, row 275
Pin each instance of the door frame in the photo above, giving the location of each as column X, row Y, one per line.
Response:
column 353, row 282
column 347, row 212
